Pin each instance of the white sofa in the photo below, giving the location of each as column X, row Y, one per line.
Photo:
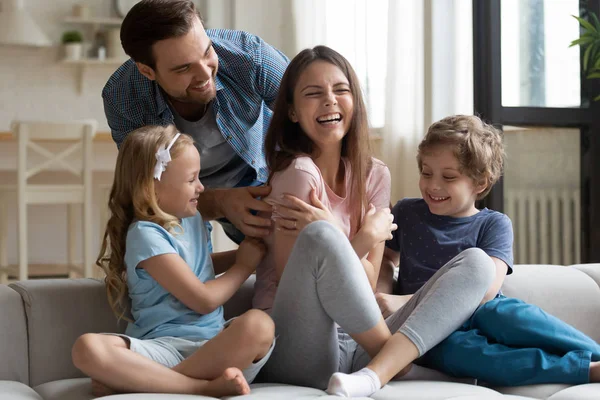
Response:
column 40, row 320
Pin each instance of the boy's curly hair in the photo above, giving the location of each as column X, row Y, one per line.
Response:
column 477, row 146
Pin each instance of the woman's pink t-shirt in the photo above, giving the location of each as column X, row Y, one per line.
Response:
column 298, row 179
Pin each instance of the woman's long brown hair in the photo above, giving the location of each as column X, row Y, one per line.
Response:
column 132, row 198
column 285, row 139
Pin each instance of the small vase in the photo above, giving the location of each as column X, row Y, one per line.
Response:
column 73, row 51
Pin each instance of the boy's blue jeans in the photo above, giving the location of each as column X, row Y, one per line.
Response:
column 508, row 342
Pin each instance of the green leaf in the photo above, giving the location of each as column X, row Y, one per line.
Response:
column 593, row 76
column 582, row 40
column 585, row 24
column 597, row 98
column 596, row 21
column 586, row 57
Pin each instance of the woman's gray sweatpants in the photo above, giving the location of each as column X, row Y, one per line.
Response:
column 324, row 283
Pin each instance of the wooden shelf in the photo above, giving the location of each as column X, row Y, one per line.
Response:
column 100, row 137
column 94, row 21
column 95, row 61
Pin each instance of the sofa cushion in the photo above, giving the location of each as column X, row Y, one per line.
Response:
column 590, row 391
column 429, row 390
column 13, row 346
column 592, row 270
column 58, row 312
column 565, row 292
column 66, row 389
column 535, row 391
column 11, row 390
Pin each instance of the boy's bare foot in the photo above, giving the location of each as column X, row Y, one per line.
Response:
column 100, row 390
column 231, row 383
column 595, row 371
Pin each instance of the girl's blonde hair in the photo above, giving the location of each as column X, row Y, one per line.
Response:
column 132, row 197
column 477, row 146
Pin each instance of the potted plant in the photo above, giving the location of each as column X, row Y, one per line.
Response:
column 73, row 42
column 589, row 41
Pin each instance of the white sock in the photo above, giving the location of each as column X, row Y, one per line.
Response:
column 361, row 383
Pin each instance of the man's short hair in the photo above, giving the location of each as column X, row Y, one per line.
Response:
column 152, row 20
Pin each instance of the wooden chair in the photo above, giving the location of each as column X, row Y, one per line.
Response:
column 32, row 188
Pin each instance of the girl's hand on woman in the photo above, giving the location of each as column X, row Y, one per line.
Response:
column 251, row 252
column 292, row 214
column 378, row 225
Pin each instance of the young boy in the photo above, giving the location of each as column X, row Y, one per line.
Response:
column 506, row 341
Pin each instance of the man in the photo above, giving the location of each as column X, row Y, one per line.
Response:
column 218, row 86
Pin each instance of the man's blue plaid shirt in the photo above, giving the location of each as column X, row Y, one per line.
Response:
column 247, row 83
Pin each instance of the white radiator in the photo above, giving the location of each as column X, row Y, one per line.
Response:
column 547, row 225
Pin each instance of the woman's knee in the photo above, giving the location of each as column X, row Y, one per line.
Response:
column 318, row 234
column 479, row 266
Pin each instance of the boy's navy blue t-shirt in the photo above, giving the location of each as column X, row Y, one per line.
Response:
column 427, row 241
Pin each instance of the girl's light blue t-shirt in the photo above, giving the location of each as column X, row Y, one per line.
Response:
column 156, row 312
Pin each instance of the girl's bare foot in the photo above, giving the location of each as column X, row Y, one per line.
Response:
column 595, row 371
column 231, row 383
column 100, row 390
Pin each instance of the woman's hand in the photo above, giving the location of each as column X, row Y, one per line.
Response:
column 250, row 253
column 389, row 303
column 293, row 214
column 378, row 225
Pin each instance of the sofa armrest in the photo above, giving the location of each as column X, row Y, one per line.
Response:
column 59, row 311
column 567, row 293
column 13, row 331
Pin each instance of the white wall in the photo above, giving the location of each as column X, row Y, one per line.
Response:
column 35, row 85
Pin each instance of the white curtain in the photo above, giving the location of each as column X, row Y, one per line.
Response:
column 308, row 24
column 429, row 76
column 404, row 96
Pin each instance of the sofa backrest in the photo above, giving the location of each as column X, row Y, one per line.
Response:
column 13, row 337
column 569, row 293
column 59, row 311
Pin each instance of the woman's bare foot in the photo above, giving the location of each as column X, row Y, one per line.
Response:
column 595, row 371
column 100, row 390
column 231, row 383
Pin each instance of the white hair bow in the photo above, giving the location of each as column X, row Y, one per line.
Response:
column 163, row 157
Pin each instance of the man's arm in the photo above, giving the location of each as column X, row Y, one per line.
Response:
column 119, row 124
column 271, row 65
column 236, row 205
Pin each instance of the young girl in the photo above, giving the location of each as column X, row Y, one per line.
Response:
column 155, row 252
column 318, row 141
